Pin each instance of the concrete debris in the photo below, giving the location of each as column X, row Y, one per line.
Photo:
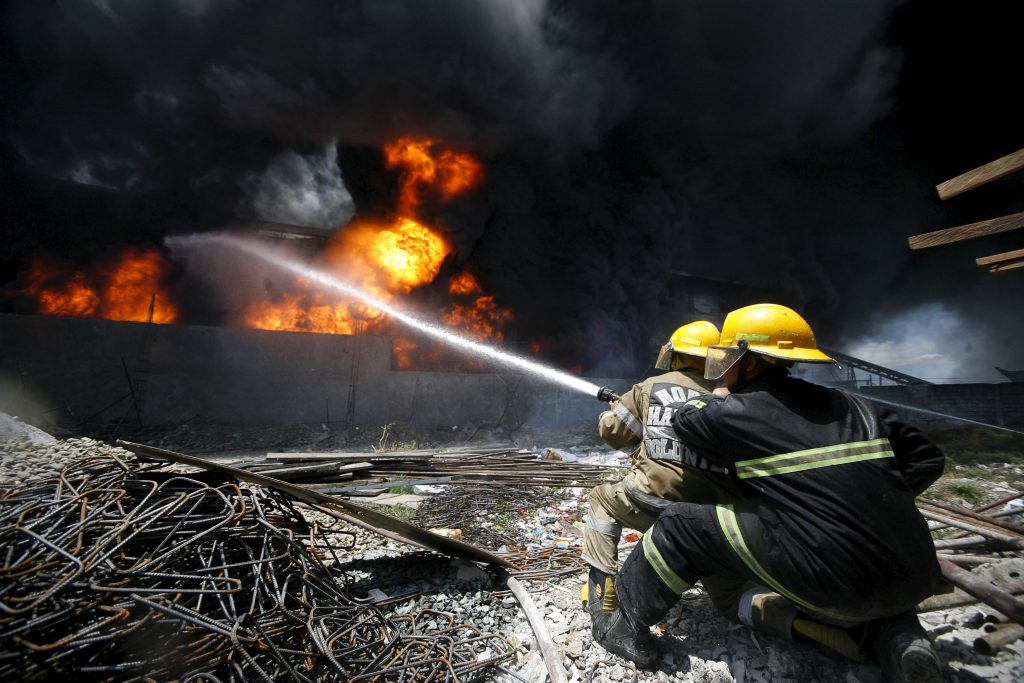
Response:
column 13, row 429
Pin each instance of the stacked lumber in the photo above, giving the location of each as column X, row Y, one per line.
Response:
column 489, row 466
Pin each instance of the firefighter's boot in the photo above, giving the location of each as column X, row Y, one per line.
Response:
column 614, row 632
column 767, row 611
column 904, row 651
column 598, row 593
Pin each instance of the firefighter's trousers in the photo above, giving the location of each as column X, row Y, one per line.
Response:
column 691, row 541
column 611, row 509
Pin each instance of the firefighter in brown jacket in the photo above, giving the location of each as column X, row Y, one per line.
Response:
column 662, row 471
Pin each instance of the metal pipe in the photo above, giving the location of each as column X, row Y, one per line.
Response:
column 999, row 599
column 999, row 636
column 971, row 514
column 1013, row 540
column 969, row 559
column 966, row 542
column 956, row 598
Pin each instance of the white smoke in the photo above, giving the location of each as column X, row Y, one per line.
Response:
column 931, row 342
column 301, row 189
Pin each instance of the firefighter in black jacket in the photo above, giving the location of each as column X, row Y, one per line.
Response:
column 827, row 521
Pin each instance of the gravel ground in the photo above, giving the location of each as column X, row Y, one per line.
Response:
column 700, row 645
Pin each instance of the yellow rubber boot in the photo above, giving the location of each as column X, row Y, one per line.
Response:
column 598, row 593
column 833, row 638
column 769, row 612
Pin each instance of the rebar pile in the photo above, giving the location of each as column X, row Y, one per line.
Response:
column 110, row 573
column 545, row 564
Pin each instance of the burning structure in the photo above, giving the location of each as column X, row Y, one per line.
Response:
column 388, row 258
column 600, row 151
column 570, row 183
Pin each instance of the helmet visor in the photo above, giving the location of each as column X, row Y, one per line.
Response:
column 721, row 358
column 664, row 361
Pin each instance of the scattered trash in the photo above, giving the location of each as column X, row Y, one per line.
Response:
column 378, row 595
column 448, row 533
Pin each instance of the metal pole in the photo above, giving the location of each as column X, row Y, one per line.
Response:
column 1012, row 607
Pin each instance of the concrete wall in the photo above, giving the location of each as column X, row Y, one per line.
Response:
column 72, row 370
column 69, row 370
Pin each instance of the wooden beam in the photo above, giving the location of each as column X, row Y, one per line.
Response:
column 1007, row 266
column 981, row 175
column 997, row 263
column 1000, row 258
column 966, row 232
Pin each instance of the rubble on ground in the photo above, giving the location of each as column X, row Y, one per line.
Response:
column 701, row 645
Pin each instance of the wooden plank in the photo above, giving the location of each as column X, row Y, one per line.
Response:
column 1007, row 266
column 966, row 232
column 1000, row 258
column 981, row 175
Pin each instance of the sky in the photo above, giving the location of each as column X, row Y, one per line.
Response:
column 790, row 145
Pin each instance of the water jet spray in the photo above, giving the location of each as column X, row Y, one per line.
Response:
column 430, row 329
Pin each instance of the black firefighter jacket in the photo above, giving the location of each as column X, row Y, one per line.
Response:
column 829, row 484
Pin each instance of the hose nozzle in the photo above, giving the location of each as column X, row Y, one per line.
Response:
column 606, row 394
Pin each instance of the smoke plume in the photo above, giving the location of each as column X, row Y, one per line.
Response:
column 790, row 146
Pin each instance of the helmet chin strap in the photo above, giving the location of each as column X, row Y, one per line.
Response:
column 741, row 374
column 742, row 380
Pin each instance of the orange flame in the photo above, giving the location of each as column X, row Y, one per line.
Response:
column 59, row 293
column 424, row 166
column 464, row 284
column 133, row 285
column 310, row 310
column 122, row 289
column 407, row 254
column 481, row 318
column 390, row 259
column 402, row 351
column 381, row 260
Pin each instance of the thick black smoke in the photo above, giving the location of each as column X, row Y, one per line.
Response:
column 790, row 145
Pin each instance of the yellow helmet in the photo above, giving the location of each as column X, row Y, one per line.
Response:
column 693, row 339
column 768, row 329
